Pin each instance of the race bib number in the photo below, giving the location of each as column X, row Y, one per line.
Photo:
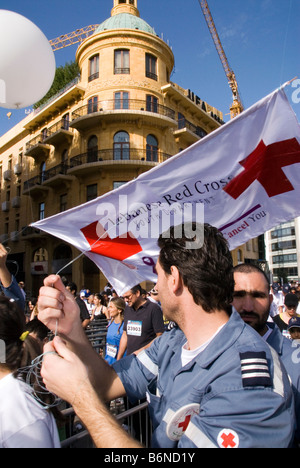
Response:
column 134, row 328
column 111, row 350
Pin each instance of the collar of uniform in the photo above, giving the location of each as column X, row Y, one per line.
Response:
column 225, row 338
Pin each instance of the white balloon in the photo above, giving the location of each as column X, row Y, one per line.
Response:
column 27, row 63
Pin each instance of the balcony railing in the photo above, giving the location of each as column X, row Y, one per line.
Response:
column 124, row 154
column 60, row 169
column 184, row 123
column 38, row 140
column 63, row 124
column 123, row 104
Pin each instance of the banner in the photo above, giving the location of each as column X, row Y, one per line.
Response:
column 243, row 178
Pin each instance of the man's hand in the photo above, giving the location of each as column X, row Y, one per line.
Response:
column 63, row 372
column 67, row 377
column 58, row 309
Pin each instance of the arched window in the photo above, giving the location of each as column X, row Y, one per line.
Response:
column 94, row 68
column 121, row 146
column 40, row 255
column 92, row 149
column 152, row 149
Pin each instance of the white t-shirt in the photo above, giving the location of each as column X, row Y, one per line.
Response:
column 188, row 355
column 24, row 423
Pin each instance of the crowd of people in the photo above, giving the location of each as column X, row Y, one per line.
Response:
column 213, row 349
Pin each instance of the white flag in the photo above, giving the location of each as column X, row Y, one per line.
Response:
column 244, row 175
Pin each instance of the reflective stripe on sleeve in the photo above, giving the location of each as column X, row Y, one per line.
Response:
column 148, row 363
column 198, row 437
column 278, row 377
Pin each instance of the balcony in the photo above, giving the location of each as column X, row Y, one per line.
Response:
column 188, row 133
column 57, row 176
column 121, row 110
column 129, row 157
column 37, row 147
column 54, row 177
column 59, row 133
column 30, row 233
column 34, row 186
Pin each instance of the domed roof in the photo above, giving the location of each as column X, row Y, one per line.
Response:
column 125, row 21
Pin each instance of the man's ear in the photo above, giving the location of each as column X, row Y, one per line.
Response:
column 175, row 279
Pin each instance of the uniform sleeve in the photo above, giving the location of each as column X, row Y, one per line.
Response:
column 136, row 372
column 255, row 418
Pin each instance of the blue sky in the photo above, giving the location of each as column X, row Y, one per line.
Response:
column 260, row 38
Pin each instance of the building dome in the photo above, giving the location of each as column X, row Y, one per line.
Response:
column 125, row 21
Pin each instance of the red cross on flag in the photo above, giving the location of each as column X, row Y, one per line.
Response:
column 243, row 178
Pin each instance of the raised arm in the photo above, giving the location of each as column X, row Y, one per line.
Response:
column 60, row 313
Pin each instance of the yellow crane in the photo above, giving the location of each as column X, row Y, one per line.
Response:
column 73, row 38
column 237, row 106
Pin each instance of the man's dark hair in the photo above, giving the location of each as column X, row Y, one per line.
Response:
column 250, row 268
column 207, row 272
column 72, row 286
column 136, row 289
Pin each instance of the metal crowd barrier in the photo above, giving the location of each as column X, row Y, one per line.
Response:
column 82, row 439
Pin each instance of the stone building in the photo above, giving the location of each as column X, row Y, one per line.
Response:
column 121, row 117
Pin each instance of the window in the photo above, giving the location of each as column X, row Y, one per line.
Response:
column 151, row 65
column 181, row 121
column 288, row 258
column 116, row 185
column 151, row 103
column 40, row 255
column 121, row 100
column 63, row 202
column 122, row 66
column 93, row 105
column 283, row 245
column 283, row 232
column 94, row 68
column 91, row 192
column 42, row 172
column 152, row 149
column 92, row 152
column 64, row 158
column 65, row 123
column 121, row 146
column 42, row 211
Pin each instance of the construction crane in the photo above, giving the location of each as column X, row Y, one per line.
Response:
column 73, row 38
column 237, row 106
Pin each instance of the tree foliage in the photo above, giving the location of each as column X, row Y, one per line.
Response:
column 64, row 75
